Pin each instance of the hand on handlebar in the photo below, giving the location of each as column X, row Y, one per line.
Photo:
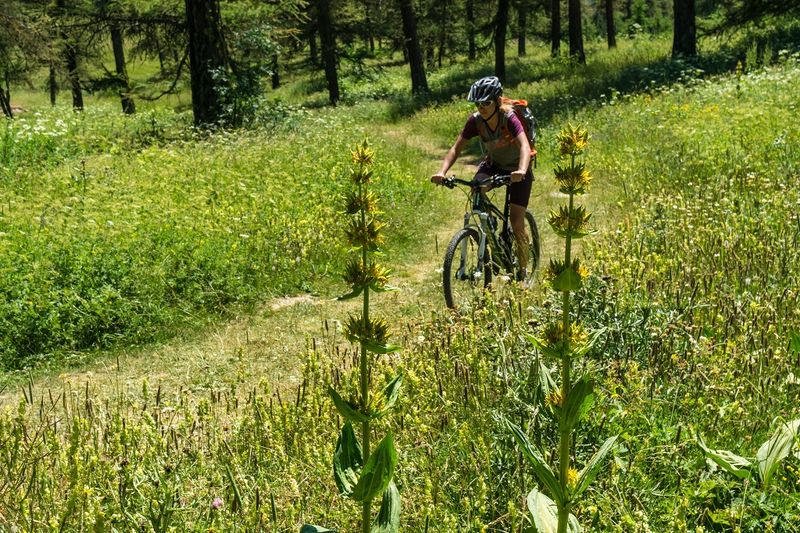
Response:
column 437, row 178
column 517, row 176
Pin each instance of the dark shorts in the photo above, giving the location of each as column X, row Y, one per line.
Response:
column 520, row 192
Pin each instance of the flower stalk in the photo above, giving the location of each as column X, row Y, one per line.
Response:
column 564, row 341
column 361, row 472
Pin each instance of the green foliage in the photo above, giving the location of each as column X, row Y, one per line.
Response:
column 123, row 229
column 361, row 473
column 691, row 342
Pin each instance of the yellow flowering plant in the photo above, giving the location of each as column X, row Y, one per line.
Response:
column 361, row 473
column 565, row 340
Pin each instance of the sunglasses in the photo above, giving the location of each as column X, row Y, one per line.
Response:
column 487, row 103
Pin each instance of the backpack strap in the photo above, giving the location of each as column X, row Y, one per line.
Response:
column 504, row 125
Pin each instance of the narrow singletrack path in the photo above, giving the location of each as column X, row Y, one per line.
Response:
column 266, row 347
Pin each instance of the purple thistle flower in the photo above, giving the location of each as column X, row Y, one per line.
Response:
column 217, row 503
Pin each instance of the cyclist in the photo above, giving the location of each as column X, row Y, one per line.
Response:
column 507, row 152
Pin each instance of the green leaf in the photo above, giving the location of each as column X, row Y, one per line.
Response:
column 567, row 280
column 774, row 450
column 389, row 396
column 347, row 460
column 591, row 469
column 383, row 288
column 378, row 472
column 379, row 348
column 545, row 514
column 738, row 466
column 237, row 495
column 540, row 382
column 583, row 349
column 307, row 528
column 388, row 518
column 553, row 352
column 579, row 401
column 350, row 296
column 346, row 409
column 794, row 342
column 540, row 467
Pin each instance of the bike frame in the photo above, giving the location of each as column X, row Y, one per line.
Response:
column 478, row 218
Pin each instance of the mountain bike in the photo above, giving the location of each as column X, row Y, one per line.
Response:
column 482, row 247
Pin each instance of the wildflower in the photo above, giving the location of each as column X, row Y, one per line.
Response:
column 572, row 477
column 357, row 202
column 572, row 140
column 365, row 234
column 570, row 223
column 361, row 176
column 554, row 334
column 566, row 278
column 376, row 330
column 373, row 275
column 362, row 155
column 572, row 179
column 554, row 399
column 217, row 503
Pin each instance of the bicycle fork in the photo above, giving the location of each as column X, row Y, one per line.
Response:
column 480, row 228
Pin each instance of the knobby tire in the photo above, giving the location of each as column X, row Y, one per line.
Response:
column 457, row 291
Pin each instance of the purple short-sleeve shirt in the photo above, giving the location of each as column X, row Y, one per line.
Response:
column 502, row 150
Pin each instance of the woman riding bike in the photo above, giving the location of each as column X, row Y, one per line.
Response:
column 507, row 152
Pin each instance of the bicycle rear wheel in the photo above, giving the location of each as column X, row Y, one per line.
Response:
column 532, row 249
column 462, row 279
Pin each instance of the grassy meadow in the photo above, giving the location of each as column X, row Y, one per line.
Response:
column 117, row 232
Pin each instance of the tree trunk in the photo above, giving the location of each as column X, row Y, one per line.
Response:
column 471, row 29
column 419, row 83
column 207, row 60
column 500, row 39
column 522, row 17
column 313, row 54
column 443, row 28
column 684, row 41
column 328, row 43
column 370, row 32
column 611, row 32
column 5, row 98
column 555, row 28
column 71, row 58
column 74, row 76
column 128, row 106
column 53, row 85
column 276, row 79
column 576, row 32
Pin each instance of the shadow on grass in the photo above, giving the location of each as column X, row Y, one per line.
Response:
column 573, row 86
column 557, row 86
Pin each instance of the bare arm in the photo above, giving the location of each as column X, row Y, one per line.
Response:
column 450, row 158
column 524, row 157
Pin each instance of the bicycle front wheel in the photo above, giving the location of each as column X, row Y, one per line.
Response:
column 463, row 279
column 531, row 251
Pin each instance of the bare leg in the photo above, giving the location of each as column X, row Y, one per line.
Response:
column 520, row 233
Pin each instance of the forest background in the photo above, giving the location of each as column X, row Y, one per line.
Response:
column 170, row 240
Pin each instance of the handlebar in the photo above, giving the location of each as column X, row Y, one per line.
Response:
column 497, row 180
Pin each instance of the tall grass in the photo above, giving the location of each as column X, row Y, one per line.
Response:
column 117, row 230
column 696, row 287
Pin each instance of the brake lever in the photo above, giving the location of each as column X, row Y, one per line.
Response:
column 498, row 181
